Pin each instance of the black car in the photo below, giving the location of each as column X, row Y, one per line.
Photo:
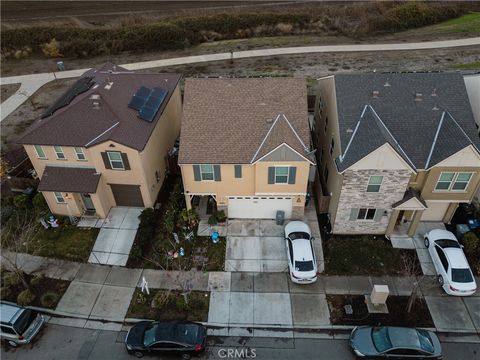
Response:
column 155, row 337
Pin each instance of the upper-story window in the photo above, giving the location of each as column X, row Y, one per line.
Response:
column 453, row 181
column 40, row 152
column 207, row 172
column 326, row 125
column 80, row 153
column 116, row 161
column 238, row 171
column 59, row 152
column 374, row 183
column 59, row 197
column 281, row 174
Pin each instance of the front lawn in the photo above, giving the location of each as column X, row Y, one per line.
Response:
column 419, row 316
column 67, row 242
column 364, row 255
column 170, row 305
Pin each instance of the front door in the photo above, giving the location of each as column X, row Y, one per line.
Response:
column 87, row 202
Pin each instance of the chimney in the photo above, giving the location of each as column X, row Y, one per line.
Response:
column 418, row 96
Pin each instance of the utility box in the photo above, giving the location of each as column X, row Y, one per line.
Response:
column 280, row 218
column 379, row 294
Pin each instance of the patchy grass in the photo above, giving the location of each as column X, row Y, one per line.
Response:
column 468, row 66
column 469, row 23
column 363, row 255
column 143, row 306
column 397, row 312
column 67, row 242
column 39, row 286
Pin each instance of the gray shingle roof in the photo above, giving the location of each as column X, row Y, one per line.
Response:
column 69, row 179
column 394, row 116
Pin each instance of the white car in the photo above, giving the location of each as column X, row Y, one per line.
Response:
column 454, row 273
column 302, row 264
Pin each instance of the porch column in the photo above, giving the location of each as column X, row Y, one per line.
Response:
column 415, row 221
column 188, row 201
column 450, row 212
column 392, row 222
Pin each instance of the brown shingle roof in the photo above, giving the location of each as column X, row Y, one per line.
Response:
column 81, row 123
column 226, row 120
column 69, row 179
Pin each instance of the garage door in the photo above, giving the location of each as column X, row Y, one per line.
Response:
column 127, row 195
column 435, row 212
column 258, row 207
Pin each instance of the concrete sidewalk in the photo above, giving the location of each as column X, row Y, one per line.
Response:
column 31, row 83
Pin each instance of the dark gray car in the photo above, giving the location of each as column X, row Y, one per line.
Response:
column 389, row 342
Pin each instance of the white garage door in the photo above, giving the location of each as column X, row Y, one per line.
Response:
column 435, row 212
column 258, row 207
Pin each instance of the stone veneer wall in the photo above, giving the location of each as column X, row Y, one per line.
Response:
column 354, row 195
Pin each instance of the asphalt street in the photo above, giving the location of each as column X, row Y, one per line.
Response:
column 60, row 343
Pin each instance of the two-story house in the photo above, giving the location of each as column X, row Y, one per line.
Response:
column 104, row 142
column 246, row 144
column 395, row 149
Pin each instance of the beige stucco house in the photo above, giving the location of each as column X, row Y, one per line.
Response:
column 246, row 144
column 104, row 142
column 394, row 149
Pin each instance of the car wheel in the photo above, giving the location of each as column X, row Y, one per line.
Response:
column 426, row 242
column 186, row 357
column 138, row 354
column 440, row 280
column 12, row 343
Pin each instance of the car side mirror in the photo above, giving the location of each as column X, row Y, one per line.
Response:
column 313, row 239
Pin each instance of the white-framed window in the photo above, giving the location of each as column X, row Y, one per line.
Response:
column 116, row 162
column 59, row 152
column 374, row 183
column 207, row 172
column 80, row 153
column 40, row 152
column 366, row 214
column 281, row 174
column 453, row 181
column 59, row 197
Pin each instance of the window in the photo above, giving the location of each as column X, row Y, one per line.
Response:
column 80, row 154
column 366, row 214
column 157, row 176
column 281, row 175
column 374, row 183
column 238, row 171
column 116, row 161
column 451, row 181
column 59, row 152
column 7, row 330
column 442, row 257
column 59, row 197
column 326, row 125
column 40, row 152
column 332, row 146
column 206, row 172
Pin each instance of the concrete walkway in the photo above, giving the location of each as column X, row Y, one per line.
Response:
column 31, row 83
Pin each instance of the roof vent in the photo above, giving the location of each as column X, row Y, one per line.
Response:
column 435, row 107
column 418, row 96
column 387, row 84
column 269, row 121
column 95, row 97
column 349, row 130
column 109, row 85
column 96, row 105
column 434, row 92
column 375, row 93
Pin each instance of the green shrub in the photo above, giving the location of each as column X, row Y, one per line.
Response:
column 39, row 204
column 20, row 201
column 25, row 298
column 220, row 215
column 49, row 299
column 10, row 279
column 212, row 220
column 471, row 243
column 5, row 292
column 181, row 304
column 36, row 280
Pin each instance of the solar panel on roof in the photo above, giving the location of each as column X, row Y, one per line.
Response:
column 136, row 103
column 153, row 102
column 158, row 92
column 143, row 92
column 147, row 113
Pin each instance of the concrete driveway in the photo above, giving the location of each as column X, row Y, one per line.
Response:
column 259, row 246
column 116, row 236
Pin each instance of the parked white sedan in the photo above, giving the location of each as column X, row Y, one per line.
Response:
column 302, row 263
column 454, row 273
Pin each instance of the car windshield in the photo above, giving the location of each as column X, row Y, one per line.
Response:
column 149, row 334
column 381, row 340
column 447, row 243
column 425, row 340
column 298, row 235
column 24, row 321
column 461, row 275
column 304, row 265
